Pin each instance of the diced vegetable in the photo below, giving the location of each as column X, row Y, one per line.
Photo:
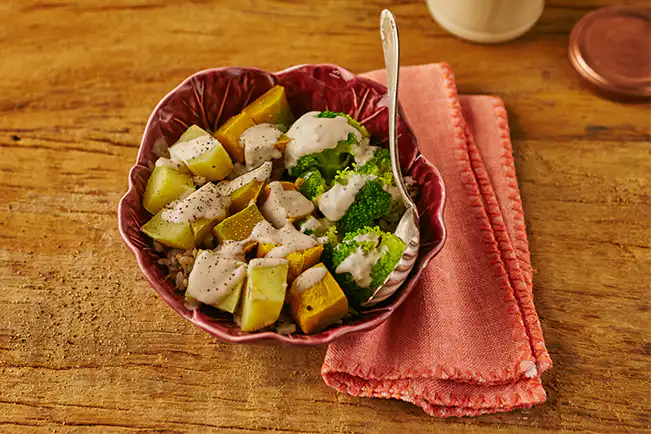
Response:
column 243, row 196
column 203, row 154
column 264, row 294
column 164, row 186
column 176, row 235
column 238, row 227
column 272, row 108
column 316, row 300
column 229, row 135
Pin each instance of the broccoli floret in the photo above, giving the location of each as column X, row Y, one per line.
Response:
column 367, row 239
column 342, row 175
column 318, row 227
column 330, row 239
column 382, row 248
column 380, row 166
column 371, row 203
column 313, row 184
column 390, row 221
column 328, row 161
column 352, row 121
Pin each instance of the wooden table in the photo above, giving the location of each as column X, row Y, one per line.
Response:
column 85, row 345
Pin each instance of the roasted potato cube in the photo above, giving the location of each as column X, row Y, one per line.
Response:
column 264, row 293
column 164, row 186
column 230, row 303
column 201, row 229
column 213, row 165
column 176, row 235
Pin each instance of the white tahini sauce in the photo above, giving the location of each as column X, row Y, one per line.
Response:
column 290, row 240
column 261, row 174
column 394, row 192
column 310, row 134
column 172, row 164
column 264, row 233
column 213, row 277
column 359, row 265
column 368, row 237
column 287, row 239
column 206, row 203
column 309, row 278
column 230, row 249
column 335, row 202
column 311, row 224
column 362, row 152
column 282, row 205
column 259, row 144
column 185, row 151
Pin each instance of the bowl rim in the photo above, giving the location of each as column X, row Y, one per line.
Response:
column 307, row 340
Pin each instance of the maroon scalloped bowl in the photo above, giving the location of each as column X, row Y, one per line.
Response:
column 207, row 99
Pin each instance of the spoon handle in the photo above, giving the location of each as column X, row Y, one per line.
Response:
column 391, row 47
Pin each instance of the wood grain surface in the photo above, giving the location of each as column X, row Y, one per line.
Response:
column 87, row 346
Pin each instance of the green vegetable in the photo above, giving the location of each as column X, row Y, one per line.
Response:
column 380, row 166
column 329, row 245
column 387, row 246
column 371, row 204
column 313, row 184
column 353, row 122
column 330, row 232
column 328, row 161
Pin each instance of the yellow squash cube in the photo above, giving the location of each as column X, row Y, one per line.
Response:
column 229, row 135
column 302, row 260
column 242, row 197
column 192, row 132
column 296, row 266
column 312, row 255
column 264, row 248
column 316, row 300
column 298, row 261
column 271, row 107
column 281, row 203
column 238, row 227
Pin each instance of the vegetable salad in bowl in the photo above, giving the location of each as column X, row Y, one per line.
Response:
column 262, row 207
column 284, row 223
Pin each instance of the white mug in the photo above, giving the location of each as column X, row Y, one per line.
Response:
column 486, row 21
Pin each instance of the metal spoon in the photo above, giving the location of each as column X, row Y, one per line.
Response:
column 407, row 229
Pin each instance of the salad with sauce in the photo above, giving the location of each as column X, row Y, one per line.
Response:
column 281, row 222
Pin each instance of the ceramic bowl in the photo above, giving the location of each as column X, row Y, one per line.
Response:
column 208, row 98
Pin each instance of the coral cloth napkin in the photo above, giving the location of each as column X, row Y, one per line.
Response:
column 468, row 340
